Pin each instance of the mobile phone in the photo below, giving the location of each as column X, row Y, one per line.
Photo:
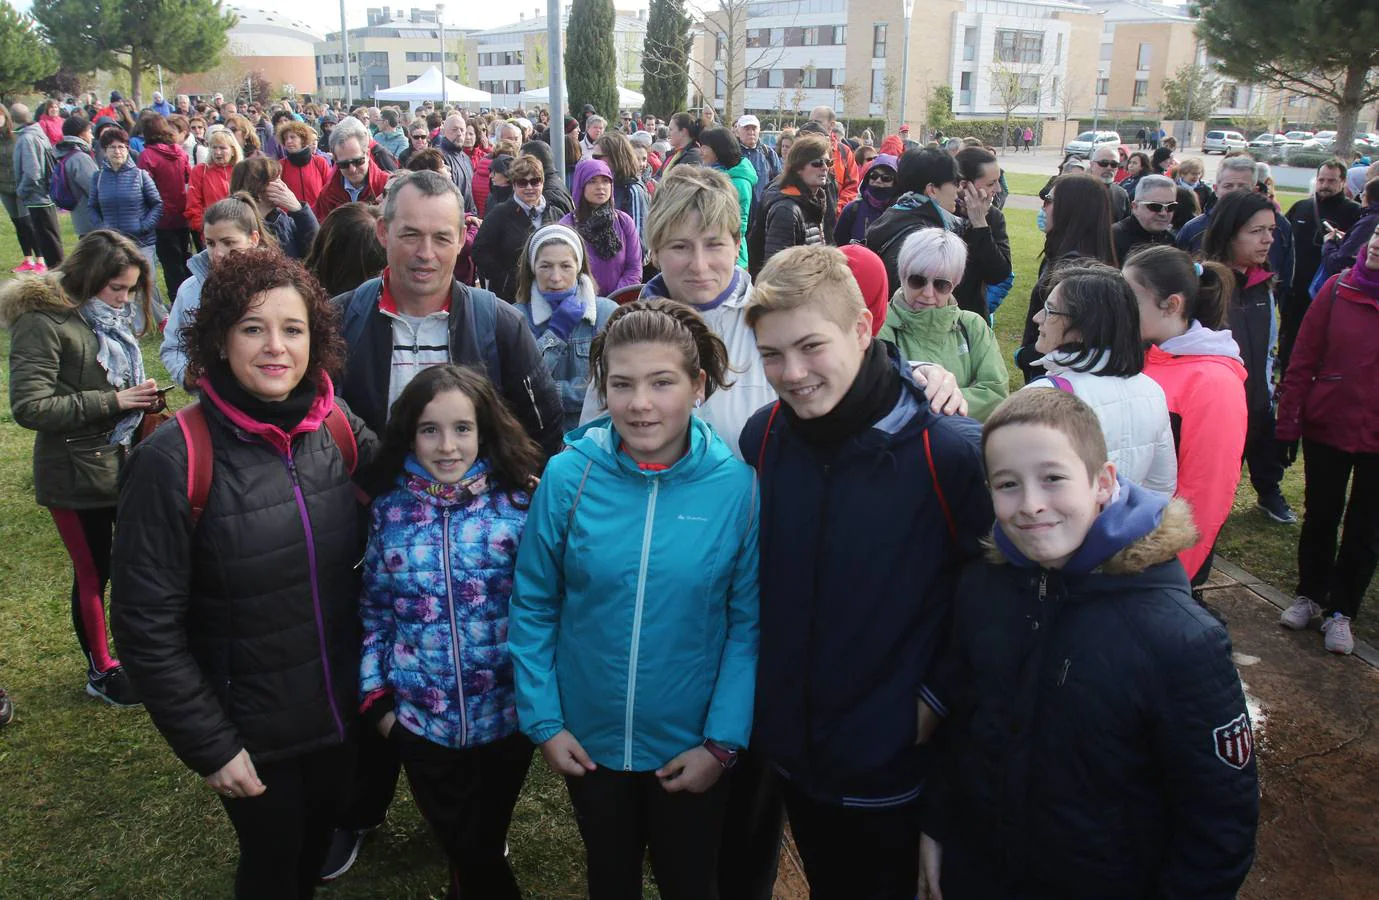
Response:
column 170, row 387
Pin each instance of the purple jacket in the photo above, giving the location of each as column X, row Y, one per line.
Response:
column 624, row 268
column 868, row 207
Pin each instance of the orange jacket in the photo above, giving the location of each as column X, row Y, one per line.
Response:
column 844, row 171
column 208, row 185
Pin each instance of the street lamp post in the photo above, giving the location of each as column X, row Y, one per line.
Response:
column 905, row 64
column 440, row 22
column 555, row 90
column 345, row 56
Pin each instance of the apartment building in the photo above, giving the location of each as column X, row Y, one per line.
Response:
column 395, row 47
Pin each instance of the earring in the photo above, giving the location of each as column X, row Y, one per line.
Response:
column 698, row 403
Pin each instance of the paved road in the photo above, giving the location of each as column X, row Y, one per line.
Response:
column 1045, row 161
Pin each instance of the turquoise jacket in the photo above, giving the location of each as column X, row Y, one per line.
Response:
column 634, row 612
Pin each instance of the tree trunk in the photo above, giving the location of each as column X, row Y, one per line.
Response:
column 1348, row 109
column 135, row 81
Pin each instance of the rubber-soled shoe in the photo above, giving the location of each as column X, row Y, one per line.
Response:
column 25, row 266
column 114, row 687
column 344, row 850
column 1277, row 508
column 1338, row 636
column 1300, row 614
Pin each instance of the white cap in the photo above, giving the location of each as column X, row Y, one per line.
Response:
column 744, row 121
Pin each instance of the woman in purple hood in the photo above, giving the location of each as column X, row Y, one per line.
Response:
column 879, row 191
column 610, row 235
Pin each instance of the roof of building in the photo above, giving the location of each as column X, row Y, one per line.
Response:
column 1144, row 11
column 252, row 18
column 538, row 23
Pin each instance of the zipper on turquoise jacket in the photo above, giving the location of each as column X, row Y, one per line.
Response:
column 647, row 531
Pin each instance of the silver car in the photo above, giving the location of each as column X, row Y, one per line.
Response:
column 1086, row 143
column 1223, row 142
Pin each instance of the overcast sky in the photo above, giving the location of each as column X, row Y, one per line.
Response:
column 325, row 14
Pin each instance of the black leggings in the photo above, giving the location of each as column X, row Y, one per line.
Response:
column 174, row 247
column 1338, row 580
column 22, row 228
column 88, row 534
column 46, row 234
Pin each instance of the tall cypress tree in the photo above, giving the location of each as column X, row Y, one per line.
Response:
column 665, row 59
column 591, row 60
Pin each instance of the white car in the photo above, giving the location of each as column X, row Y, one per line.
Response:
column 1223, row 142
column 1086, row 143
column 1298, row 136
column 1278, row 141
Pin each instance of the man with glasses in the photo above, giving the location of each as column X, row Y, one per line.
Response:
column 418, row 139
column 353, row 177
column 1237, row 173
column 1151, row 216
column 1105, row 164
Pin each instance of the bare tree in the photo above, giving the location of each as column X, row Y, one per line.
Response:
column 780, row 109
column 734, row 64
column 1070, row 94
column 846, row 94
column 797, row 100
column 890, row 84
column 1010, row 89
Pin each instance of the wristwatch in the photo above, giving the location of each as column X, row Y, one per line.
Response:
column 726, row 756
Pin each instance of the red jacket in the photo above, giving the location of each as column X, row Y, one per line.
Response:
column 306, row 182
column 52, row 127
column 209, row 184
column 1329, row 389
column 1206, row 404
column 334, row 194
column 844, row 171
column 482, row 183
column 167, row 165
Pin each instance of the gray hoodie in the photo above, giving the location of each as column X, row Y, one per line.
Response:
column 172, row 353
column 80, row 168
column 33, row 166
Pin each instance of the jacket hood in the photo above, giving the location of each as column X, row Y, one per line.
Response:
column 1137, row 529
column 585, row 289
column 893, row 146
column 936, row 318
column 741, row 288
column 884, row 159
column 599, row 441
column 1199, row 340
column 71, row 144
column 585, row 170
column 743, row 170
column 200, row 265
column 906, row 214
column 29, row 293
column 168, row 150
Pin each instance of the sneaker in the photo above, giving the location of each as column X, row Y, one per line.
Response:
column 1300, row 614
column 25, row 266
column 40, row 267
column 114, row 687
column 6, row 709
column 344, row 850
column 1276, row 508
column 1338, row 636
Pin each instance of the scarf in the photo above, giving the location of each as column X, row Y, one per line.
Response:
column 1363, row 278
column 419, row 482
column 600, row 232
column 299, row 158
column 873, row 394
column 118, row 354
column 284, row 414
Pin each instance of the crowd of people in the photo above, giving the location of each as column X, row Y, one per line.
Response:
column 614, row 442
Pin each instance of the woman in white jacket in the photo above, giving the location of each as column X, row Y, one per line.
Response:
column 1089, row 335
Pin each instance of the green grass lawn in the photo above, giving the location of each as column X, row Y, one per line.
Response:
column 93, row 801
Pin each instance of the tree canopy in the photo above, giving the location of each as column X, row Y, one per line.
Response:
column 591, row 60
column 24, row 56
column 665, row 59
column 135, row 35
column 1325, row 50
column 1192, row 92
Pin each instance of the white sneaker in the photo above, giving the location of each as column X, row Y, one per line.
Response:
column 1338, row 636
column 1300, row 614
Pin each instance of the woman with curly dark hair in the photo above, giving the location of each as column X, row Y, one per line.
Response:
column 235, row 603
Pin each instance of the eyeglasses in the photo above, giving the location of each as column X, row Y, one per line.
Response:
column 1050, row 311
column 419, row 137
column 920, row 282
column 527, row 182
column 1160, row 207
column 1106, row 163
column 824, row 163
column 357, row 163
column 881, row 178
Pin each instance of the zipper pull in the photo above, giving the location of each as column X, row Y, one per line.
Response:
column 1043, row 586
column 1063, row 675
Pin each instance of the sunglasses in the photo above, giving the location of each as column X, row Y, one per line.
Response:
column 881, row 178
column 920, row 282
column 1106, row 163
column 528, row 182
column 357, row 163
column 419, row 137
column 1160, row 207
column 824, row 163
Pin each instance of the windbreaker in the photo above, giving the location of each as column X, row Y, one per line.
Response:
column 634, row 616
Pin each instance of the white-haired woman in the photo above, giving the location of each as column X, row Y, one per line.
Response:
column 926, row 323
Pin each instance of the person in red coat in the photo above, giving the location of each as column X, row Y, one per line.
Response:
column 210, row 182
column 1327, row 400
column 166, row 163
column 305, row 169
column 355, row 175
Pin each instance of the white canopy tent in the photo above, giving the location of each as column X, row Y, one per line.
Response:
column 428, row 87
column 626, row 99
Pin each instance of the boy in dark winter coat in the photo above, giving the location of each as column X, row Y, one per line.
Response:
column 1097, row 743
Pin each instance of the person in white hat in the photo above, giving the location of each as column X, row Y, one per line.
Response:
column 763, row 158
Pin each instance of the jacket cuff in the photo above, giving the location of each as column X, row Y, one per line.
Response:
column 932, row 700
column 542, row 733
column 376, row 705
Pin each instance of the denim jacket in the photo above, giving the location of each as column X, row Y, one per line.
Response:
column 568, row 360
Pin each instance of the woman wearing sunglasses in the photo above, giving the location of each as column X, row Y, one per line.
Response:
column 879, row 192
column 926, row 323
column 503, row 235
column 799, row 206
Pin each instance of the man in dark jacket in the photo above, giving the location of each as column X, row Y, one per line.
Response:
column 461, row 171
column 1105, row 162
column 763, row 158
column 1151, row 216
column 1328, row 204
column 414, row 316
column 931, row 186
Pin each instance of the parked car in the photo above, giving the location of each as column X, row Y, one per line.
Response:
column 1276, row 141
column 1298, row 136
column 1086, row 143
column 1223, row 142
column 1325, row 139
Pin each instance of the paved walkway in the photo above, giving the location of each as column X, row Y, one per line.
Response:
column 1314, row 717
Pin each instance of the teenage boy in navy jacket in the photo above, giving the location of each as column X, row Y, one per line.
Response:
column 870, row 503
column 1098, row 743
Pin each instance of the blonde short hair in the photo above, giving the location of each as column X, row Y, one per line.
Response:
column 1190, row 167
column 226, row 136
column 814, row 276
column 693, row 191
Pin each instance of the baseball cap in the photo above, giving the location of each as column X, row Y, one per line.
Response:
column 744, row 121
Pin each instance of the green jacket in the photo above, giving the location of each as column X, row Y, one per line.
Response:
column 957, row 339
column 744, row 179
column 58, row 389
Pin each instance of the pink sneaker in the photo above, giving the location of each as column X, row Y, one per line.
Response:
column 40, row 267
column 25, row 266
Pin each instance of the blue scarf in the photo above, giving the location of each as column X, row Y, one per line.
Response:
column 118, row 354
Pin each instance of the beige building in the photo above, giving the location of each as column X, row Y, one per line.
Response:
column 395, row 47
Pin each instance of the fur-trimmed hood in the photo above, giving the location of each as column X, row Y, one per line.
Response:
column 31, row 293
column 1168, row 531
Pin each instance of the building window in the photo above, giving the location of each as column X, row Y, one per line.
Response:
column 1145, row 53
column 840, row 35
column 878, row 85
column 816, row 78
column 810, row 38
column 719, row 45
column 1019, row 46
column 1108, row 51
column 965, row 89
column 754, row 38
column 1058, row 52
column 775, row 78
column 720, row 85
column 1103, row 86
column 1230, row 95
column 1141, row 92
column 969, row 44
column 878, row 42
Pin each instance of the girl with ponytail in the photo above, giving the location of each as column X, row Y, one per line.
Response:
column 229, row 225
column 633, row 624
column 1196, row 361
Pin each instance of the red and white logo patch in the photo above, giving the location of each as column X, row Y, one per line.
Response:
column 1235, row 742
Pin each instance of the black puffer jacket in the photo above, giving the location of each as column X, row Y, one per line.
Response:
column 242, row 633
column 501, row 241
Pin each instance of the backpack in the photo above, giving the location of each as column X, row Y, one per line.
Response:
column 59, row 188
column 201, row 463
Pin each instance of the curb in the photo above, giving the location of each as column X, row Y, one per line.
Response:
column 1271, row 594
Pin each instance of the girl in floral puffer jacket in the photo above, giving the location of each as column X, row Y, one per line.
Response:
column 435, row 675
